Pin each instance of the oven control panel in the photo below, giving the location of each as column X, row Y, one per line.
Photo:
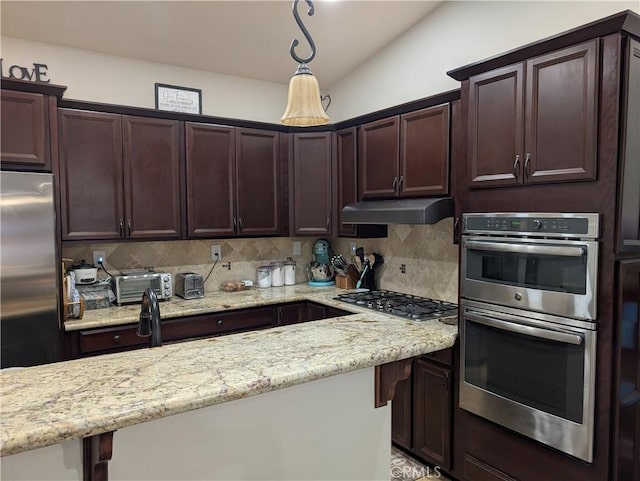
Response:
column 561, row 225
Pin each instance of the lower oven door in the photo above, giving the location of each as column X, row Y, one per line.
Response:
column 533, row 375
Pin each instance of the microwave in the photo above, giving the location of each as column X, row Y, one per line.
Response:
column 129, row 287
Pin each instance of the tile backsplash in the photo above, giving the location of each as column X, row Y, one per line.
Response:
column 418, row 259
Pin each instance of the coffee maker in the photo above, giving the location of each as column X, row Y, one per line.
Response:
column 320, row 271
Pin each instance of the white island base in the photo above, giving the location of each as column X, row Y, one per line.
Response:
column 321, row 430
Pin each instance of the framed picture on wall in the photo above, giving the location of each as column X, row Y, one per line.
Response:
column 178, row 99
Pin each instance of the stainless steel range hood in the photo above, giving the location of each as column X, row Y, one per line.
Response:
column 398, row 211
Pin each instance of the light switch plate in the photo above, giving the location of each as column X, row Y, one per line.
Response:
column 297, row 248
column 353, row 246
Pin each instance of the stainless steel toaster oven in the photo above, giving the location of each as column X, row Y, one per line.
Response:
column 130, row 286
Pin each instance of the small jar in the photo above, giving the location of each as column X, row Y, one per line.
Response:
column 277, row 274
column 289, row 273
column 264, row 276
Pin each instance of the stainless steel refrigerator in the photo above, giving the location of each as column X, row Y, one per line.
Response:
column 29, row 318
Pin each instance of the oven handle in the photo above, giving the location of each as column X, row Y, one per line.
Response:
column 565, row 251
column 526, row 330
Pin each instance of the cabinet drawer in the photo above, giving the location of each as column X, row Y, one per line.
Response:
column 241, row 321
column 110, row 339
column 476, row 470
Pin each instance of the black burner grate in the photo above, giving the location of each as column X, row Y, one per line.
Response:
column 402, row 305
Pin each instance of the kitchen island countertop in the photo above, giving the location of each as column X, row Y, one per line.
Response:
column 48, row 404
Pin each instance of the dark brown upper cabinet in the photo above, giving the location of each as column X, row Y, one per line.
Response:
column 311, row 182
column 406, row 155
column 628, row 215
column 257, row 180
column 25, row 131
column 232, row 181
column 346, row 155
column 347, row 178
column 211, row 152
column 120, row 176
column 535, row 121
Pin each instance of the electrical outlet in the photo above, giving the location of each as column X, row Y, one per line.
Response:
column 353, row 246
column 216, row 252
column 98, row 258
column 297, row 248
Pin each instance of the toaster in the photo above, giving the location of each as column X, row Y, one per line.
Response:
column 189, row 285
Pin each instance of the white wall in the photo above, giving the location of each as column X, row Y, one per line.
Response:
column 413, row 67
column 97, row 77
column 456, row 34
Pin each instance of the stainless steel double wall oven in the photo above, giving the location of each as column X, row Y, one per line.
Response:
column 528, row 324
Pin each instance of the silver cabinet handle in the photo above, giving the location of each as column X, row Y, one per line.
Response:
column 395, row 186
column 235, row 225
column 516, row 166
column 121, row 224
column 526, row 165
column 240, row 226
column 219, row 322
column 565, row 251
column 400, row 184
column 129, row 226
column 559, row 336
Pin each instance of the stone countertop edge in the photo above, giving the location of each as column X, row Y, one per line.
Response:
column 49, row 404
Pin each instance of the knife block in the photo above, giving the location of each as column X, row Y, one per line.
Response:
column 343, row 282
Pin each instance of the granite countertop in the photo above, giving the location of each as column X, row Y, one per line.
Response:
column 48, row 404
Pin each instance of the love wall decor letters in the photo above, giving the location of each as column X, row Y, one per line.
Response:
column 37, row 73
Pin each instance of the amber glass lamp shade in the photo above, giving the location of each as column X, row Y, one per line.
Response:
column 304, row 107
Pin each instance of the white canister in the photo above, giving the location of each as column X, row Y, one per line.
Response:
column 277, row 274
column 264, row 276
column 289, row 273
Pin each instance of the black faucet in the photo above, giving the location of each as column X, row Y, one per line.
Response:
column 149, row 325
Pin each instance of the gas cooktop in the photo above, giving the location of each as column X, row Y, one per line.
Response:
column 403, row 305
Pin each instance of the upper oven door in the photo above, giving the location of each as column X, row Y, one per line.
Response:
column 551, row 276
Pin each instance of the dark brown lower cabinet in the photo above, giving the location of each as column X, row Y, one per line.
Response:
column 91, row 342
column 422, row 409
column 432, row 412
column 296, row 312
column 626, row 421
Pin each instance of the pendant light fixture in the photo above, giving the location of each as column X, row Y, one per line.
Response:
column 304, row 107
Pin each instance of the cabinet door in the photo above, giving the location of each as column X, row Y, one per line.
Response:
column 401, row 418
column 378, row 156
column 424, row 155
column 311, row 186
column 347, row 165
column 495, row 127
column 561, row 115
column 152, row 178
column 432, row 412
column 210, row 179
column 626, row 426
column 628, row 224
column 257, row 178
column 91, row 190
column 25, row 131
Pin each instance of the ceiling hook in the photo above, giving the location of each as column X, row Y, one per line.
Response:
column 306, row 33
